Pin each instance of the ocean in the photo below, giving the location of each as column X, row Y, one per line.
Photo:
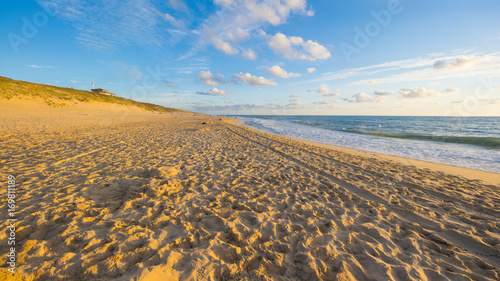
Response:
column 468, row 142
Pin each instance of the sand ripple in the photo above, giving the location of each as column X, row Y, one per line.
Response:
column 175, row 199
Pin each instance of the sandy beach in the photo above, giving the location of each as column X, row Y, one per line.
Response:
column 111, row 192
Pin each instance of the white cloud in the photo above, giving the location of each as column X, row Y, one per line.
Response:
column 277, row 71
column 249, row 54
column 325, row 92
column 225, row 2
column 238, row 35
column 459, row 62
column 172, row 85
column 212, row 92
column 249, row 79
column 236, row 19
column 286, row 46
column 417, row 93
column 451, row 90
column 382, row 93
column 331, row 95
column 326, row 102
column 311, row 69
column 297, row 96
column 453, row 67
column 209, row 79
column 223, row 46
column 178, row 5
column 251, row 12
column 40, row 66
column 323, row 89
column 418, row 69
column 379, row 99
column 362, row 97
column 173, row 21
column 215, row 39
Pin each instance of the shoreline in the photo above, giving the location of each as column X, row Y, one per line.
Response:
column 487, row 177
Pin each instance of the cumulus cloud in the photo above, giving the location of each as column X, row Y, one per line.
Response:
column 224, row 46
column 235, row 20
column 209, row 79
column 294, row 47
column 251, row 12
column 382, row 93
column 277, row 71
column 249, row 54
column 379, row 99
column 311, row 69
column 364, row 97
column 325, row 92
column 417, row 93
column 451, row 90
column 249, row 79
column 323, row 89
column 296, row 96
column 212, row 92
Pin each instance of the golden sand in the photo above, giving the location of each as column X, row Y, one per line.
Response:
column 116, row 193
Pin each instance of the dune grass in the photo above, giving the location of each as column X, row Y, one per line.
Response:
column 57, row 96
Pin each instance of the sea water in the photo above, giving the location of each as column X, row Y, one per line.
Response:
column 469, row 142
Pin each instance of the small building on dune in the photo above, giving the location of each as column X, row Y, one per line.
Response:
column 101, row 91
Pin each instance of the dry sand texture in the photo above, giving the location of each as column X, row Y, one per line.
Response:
column 168, row 198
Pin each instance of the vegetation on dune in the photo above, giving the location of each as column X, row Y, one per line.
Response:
column 56, row 96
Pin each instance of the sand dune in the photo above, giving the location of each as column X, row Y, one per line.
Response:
column 162, row 197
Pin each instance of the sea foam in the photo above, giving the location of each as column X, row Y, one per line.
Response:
column 449, row 153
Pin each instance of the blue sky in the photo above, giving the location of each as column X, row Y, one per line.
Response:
column 372, row 57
